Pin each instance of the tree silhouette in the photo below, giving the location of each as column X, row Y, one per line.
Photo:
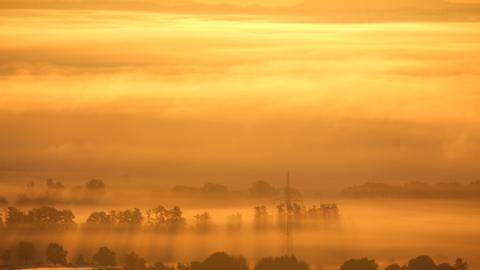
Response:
column 161, row 266
column 80, row 261
column 281, row 263
column 445, row 266
column 25, row 253
column 460, row 264
column 263, row 190
column 203, row 222
column 421, row 263
column 15, row 218
column 95, row 186
column 134, row 262
column 42, row 218
column 100, row 219
column 359, row 264
column 129, row 218
column 104, row 257
column 160, row 218
column 214, row 189
column 220, row 261
column 56, row 254
column 261, row 218
column 234, row 222
column 393, row 267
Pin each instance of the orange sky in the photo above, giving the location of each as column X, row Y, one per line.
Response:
column 195, row 98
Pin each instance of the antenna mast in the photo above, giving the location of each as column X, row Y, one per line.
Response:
column 288, row 217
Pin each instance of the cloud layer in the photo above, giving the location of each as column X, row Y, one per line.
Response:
column 196, row 98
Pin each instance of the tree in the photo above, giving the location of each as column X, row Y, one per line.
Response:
column 25, row 253
column 51, row 218
column 263, row 190
column 393, row 267
column 56, row 254
column 214, row 188
column 53, row 186
column 104, row 257
column 161, row 266
column 15, row 217
column 234, row 222
column 203, row 222
column 99, row 218
column 460, row 264
column 261, row 218
column 130, row 217
column 359, row 264
column 220, row 261
column 421, row 263
column 134, row 262
column 445, row 266
column 280, row 263
column 80, row 261
column 161, row 218
column 95, row 187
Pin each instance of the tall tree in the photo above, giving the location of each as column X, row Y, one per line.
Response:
column 134, row 262
column 421, row 263
column 104, row 257
column 56, row 254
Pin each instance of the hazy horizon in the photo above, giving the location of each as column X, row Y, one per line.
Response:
column 112, row 113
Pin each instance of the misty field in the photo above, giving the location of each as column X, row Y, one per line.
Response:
column 387, row 230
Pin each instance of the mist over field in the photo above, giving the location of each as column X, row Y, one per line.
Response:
column 391, row 231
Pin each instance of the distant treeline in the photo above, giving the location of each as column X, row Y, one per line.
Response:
column 259, row 191
column 414, row 190
column 162, row 219
column 55, row 192
column 25, row 254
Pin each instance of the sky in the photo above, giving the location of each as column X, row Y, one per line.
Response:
column 166, row 98
column 344, row 10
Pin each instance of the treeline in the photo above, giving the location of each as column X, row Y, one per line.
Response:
column 212, row 192
column 55, row 192
column 418, row 263
column 25, row 254
column 162, row 219
column 414, row 190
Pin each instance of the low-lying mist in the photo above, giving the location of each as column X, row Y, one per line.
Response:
column 387, row 230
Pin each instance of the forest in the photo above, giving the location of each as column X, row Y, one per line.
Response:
column 26, row 254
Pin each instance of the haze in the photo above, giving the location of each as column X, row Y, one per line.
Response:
column 193, row 112
column 192, row 98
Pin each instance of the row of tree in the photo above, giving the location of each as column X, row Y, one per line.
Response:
column 55, row 192
column 295, row 213
column 418, row 263
column 419, row 190
column 24, row 253
column 159, row 218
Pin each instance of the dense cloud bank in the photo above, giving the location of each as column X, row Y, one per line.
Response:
column 126, row 95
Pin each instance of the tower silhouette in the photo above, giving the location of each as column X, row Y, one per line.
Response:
column 288, row 217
